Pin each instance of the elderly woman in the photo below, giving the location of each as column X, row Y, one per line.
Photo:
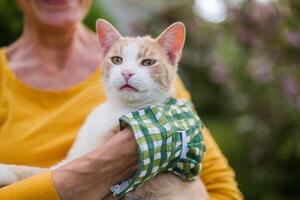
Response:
column 50, row 80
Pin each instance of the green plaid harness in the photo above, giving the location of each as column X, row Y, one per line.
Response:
column 169, row 139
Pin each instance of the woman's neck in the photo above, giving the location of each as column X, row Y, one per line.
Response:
column 51, row 46
column 54, row 59
column 51, row 39
column 54, row 46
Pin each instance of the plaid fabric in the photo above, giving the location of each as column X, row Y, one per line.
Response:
column 169, row 139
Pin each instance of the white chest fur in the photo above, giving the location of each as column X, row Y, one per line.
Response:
column 97, row 125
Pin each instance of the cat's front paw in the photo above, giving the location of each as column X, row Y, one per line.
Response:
column 6, row 176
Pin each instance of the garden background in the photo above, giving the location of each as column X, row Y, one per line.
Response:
column 241, row 64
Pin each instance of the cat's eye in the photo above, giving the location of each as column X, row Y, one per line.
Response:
column 117, row 60
column 148, row 62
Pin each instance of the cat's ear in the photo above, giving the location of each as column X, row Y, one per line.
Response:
column 107, row 35
column 172, row 41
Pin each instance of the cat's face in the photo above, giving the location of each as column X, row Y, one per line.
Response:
column 139, row 70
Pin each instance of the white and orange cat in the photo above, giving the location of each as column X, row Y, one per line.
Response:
column 137, row 72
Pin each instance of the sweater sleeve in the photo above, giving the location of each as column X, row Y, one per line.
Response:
column 216, row 174
column 38, row 187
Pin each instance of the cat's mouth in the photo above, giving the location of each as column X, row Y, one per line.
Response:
column 129, row 88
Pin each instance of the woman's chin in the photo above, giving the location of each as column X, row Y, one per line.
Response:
column 55, row 2
column 57, row 14
column 58, row 20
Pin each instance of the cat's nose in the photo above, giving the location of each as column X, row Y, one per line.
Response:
column 127, row 74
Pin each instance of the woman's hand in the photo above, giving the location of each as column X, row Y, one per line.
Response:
column 91, row 176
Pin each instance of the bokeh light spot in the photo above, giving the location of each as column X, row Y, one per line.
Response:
column 213, row 11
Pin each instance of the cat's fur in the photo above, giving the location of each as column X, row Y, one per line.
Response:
column 152, row 85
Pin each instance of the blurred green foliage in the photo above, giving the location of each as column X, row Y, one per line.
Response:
column 10, row 22
column 244, row 77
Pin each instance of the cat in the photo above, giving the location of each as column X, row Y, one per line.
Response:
column 137, row 72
